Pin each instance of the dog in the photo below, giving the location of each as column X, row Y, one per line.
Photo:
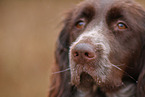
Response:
column 100, row 51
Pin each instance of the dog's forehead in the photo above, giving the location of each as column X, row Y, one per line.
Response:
column 105, row 2
column 105, row 8
column 101, row 7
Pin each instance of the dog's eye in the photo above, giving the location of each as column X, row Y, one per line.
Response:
column 121, row 26
column 80, row 24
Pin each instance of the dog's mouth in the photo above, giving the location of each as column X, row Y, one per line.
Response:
column 86, row 81
column 91, row 80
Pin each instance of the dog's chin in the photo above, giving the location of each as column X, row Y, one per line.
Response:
column 86, row 82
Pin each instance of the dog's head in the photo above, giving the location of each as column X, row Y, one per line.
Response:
column 106, row 38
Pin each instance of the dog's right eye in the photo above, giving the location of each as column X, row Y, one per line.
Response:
column 80, row 24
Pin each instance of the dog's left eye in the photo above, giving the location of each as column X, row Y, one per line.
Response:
column 121, row 26
column 80, row 24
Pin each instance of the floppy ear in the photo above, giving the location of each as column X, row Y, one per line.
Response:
column 137, row 14
column 141, row 79
column 60, row 86
column 141, row 65
column 141, row 84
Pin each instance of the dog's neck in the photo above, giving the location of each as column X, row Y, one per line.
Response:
column 87, row 93
column 83, row 94
column 128, row 90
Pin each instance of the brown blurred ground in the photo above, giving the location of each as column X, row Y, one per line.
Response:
column 28, row 31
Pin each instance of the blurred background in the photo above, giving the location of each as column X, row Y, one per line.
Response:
column 28, row 32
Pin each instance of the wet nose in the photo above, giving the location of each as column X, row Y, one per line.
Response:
column 83, row 52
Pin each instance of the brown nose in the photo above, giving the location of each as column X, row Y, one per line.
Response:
column 83, row 52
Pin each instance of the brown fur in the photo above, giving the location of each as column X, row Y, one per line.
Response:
column 126, row 64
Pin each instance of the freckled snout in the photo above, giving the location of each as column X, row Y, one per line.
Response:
column 83, row 53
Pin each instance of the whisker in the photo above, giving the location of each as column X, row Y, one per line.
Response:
column 121, row 65
column 124, row 72
column 61, row 71
column 126, row 66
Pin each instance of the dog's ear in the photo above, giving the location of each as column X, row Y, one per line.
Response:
column 141, row 64
column 141, row 84
column 60, row 86
column 141, row 79
column 136, row 15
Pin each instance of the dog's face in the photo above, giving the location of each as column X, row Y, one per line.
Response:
column 105, row 37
